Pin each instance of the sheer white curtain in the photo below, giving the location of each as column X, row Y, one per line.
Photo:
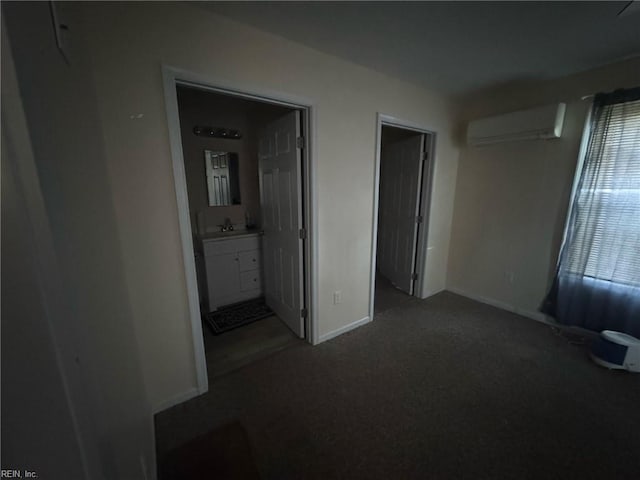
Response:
column 597, row 285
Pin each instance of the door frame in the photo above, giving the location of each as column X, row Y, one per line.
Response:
column 172, row 77
column 425, row 202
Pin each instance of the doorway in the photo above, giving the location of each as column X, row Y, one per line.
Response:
column 404, row 185
column 243, row 183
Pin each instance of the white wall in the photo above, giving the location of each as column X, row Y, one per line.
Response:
column 74, row 246
column 32, row 379
column 512, row 198
column 129, row 43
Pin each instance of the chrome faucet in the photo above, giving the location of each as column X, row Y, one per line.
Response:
column 227, row 227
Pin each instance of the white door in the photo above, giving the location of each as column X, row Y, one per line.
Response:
column 280, row 198
column 399, row 203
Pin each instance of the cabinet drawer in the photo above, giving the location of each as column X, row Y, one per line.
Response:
column 249, row 260
column 250, row 280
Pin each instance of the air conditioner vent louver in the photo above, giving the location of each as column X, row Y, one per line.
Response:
column 533, row 124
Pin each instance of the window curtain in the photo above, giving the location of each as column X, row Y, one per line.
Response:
column 597, row 282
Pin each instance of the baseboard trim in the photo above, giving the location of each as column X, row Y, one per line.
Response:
column 172, row 402
column 345, row 329
column 537, row 316
column 431, row 293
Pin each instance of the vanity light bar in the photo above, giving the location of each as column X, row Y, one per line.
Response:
column 217, row 132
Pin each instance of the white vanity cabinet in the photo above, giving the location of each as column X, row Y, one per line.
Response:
column 233, row 266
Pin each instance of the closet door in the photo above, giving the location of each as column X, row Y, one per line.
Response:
column 400, row 176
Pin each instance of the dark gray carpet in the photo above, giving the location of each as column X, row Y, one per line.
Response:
column 223, row 453
column 445, row 388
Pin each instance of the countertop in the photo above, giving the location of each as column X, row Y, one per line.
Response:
column 215, row 236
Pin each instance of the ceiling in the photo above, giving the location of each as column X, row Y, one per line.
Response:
column 455, row 47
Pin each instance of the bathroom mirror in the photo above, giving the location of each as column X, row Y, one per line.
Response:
column 223, row 183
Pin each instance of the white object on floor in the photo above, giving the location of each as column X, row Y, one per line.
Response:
column 617, row 350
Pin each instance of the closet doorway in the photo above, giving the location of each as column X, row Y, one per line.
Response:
column 404, row 191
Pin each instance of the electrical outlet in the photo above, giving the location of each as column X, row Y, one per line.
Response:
column 337, row 297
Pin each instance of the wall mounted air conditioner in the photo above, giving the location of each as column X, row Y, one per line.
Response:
column 533, row 124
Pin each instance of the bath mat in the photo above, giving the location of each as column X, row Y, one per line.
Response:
column 236, row 315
